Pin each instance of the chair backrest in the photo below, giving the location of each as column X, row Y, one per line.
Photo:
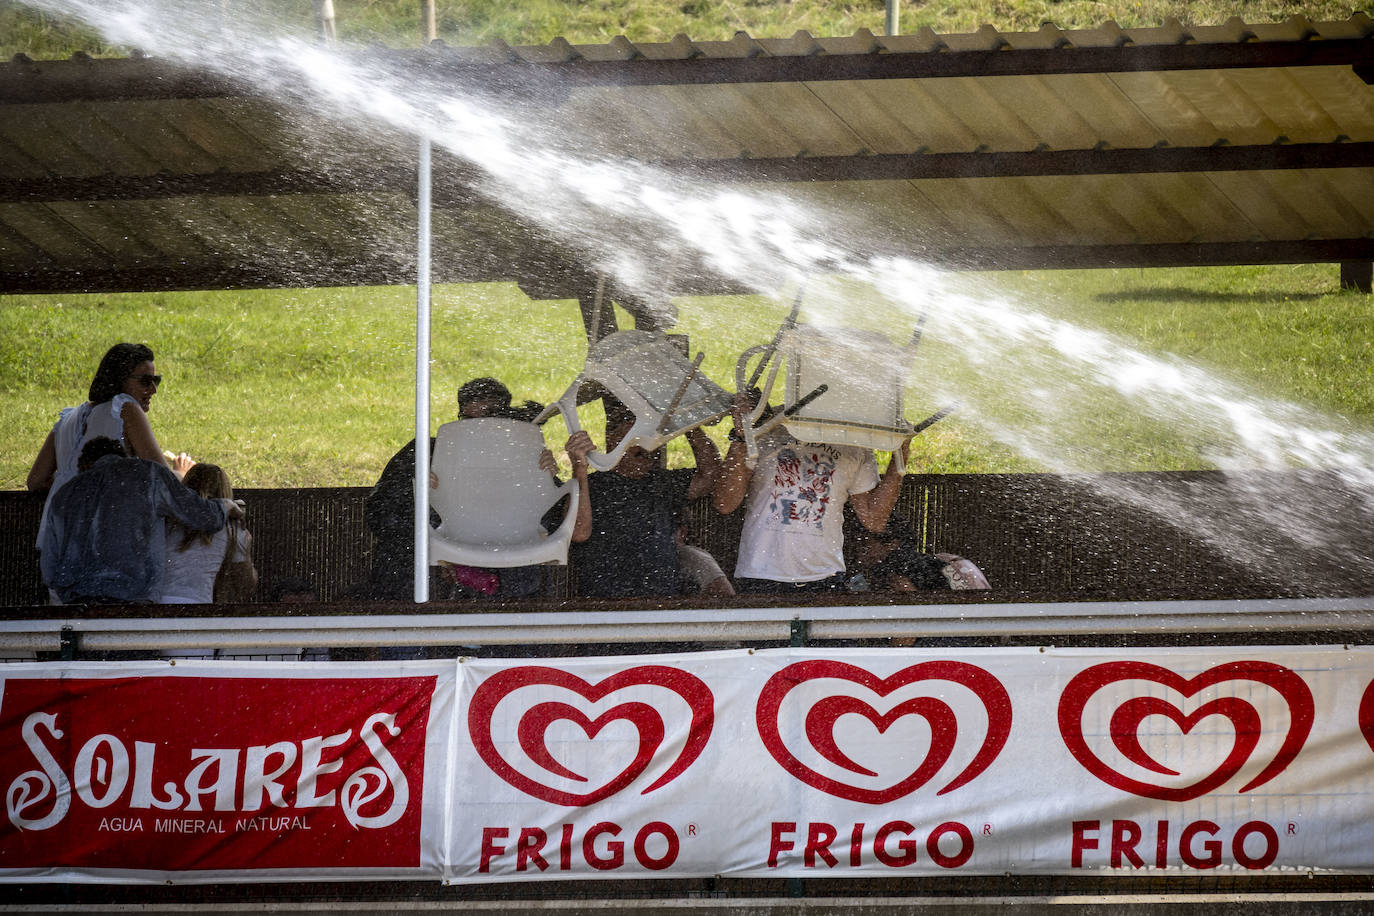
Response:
column 491, row 489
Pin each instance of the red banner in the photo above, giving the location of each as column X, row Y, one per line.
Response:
column 179, row 773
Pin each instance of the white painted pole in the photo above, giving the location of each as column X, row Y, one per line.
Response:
column 422, row 297
column 324, row 21
column 893, row 12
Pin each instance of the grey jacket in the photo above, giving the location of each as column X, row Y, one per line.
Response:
column 106, row 534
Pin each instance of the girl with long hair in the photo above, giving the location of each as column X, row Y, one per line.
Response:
column 195, row 559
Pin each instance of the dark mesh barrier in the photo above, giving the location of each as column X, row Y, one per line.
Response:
column 1111, row 536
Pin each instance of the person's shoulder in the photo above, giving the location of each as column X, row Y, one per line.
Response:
column 122, row 402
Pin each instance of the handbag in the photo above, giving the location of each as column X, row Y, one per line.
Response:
column 236, row 582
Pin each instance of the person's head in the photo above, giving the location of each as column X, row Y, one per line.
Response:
column 907, row 570
column 482, row 397
column 635, row 462
column 125, row 369
column 96, row 449
column 209, row 480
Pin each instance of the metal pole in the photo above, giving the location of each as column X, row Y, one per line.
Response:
column 891, row 21
column 422, row 297
column 324, row 20
column 428, row 27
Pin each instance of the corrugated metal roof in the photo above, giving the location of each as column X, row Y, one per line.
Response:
column 1235, row 143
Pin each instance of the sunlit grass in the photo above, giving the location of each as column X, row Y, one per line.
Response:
column 316, row 387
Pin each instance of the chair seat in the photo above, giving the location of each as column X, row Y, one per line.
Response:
column 651, row 377
column 844, row 386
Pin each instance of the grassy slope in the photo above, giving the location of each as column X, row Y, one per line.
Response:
column 314, row 388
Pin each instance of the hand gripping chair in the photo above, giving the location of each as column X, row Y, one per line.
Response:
column 492, row 495
column 844, row 386
column 651, row 377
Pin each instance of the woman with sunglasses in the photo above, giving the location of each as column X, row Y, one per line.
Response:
column 116, row 407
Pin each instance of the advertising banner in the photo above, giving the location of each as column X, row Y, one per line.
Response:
column 881, row 762
column 223, row 770
column 885, row 762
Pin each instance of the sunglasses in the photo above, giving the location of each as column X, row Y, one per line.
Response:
column 147, row 381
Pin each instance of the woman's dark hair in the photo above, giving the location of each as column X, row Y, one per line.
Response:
column 116, row 365
column 922, row 570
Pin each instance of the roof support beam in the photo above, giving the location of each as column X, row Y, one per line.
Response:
column 450, row 185
column 84, row 80
column 450, row 192
column 1185, row 254
column 928, row 64
column 218, row 275
column 889, row 167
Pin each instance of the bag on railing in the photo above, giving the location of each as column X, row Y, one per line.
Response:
column 962, row 573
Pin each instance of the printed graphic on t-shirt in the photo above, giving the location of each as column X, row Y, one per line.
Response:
column 802, row 487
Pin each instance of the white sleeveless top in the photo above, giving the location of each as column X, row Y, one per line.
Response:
column 74, row 428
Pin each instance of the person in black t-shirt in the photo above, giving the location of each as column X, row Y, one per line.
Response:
column 632, row 545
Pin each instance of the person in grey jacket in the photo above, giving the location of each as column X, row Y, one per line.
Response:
column 105, row 540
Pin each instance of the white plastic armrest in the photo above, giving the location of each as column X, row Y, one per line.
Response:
column 645, row 430
column 567, row 406
column 564, row 529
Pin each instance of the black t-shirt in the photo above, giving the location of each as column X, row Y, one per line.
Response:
column 633, row 546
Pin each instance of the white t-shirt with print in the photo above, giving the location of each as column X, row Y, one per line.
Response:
column 794, row 515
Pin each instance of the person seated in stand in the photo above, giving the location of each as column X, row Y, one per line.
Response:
column 628, row 546
column 116, row 407
column 700, row 572
column 106, row 537
column 891, row 560
column 390, row 514
column 793, row 535
column 209, row 567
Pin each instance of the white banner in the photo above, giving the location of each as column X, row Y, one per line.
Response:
column 779, row 763
column 884, row 762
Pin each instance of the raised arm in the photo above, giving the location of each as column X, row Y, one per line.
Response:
column 874, row 507
column 190, row 509
column 44, row 466
column 138, row 435
column 579, row 444
column 732, row 485
column 708, row 463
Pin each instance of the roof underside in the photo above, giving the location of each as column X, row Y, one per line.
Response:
column 1238, row 144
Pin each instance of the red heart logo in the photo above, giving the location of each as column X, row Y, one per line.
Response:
column 1124, row 725
column 821, row 718
column 1366, row 715
column 534, row 723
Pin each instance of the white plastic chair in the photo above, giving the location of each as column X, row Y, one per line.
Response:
column 844, row 386
column 492, row 495
column 651, row 377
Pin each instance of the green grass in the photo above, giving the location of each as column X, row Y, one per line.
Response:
column 316, row 387
column 396, row 22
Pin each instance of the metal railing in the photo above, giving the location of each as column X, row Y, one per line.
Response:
column 71, row 632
